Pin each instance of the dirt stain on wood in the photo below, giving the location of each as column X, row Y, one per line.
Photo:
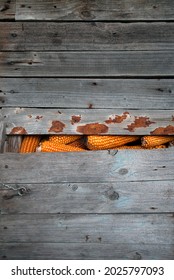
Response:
column 117, row 118
column 18, row 130
column 75, row 119
column 168, row 130
column 92, row 128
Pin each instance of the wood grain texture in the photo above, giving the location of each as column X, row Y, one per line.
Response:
column 78, row 228
column 103, row 36
column 84, row 251
column 39, row 121
column 95, row 10
column 2, row 135
column 85, row 93
column 91, row 167
column 7, row 9
column 121, row 197
column 87, row 64
column 13, row 144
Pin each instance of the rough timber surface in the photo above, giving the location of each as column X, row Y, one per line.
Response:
column 87, row 64
column 78, row 167
column 95, row 10
column 7, row 9
column 78, row 228
column 103, row 36
column 76, row 251
column 96, row 121
column 87, row 93
column 116, row 197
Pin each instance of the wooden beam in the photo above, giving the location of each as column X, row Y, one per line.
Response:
column 86, row 36
column 120, row 197
column 95, row 10
column 87, row 93
column 103, row 121
column 91, row 167
column 87, row 64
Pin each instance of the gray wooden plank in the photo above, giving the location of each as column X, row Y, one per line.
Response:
column 87, row 64
column 96, row 121
column 84, row 251
column 78, row 228
column 87, row 93
column 7, row 9
column 95, row 10
column 91, row 167
column 56, row 36
column 122, row 197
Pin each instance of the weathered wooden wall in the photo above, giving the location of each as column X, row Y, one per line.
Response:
column 96, row 59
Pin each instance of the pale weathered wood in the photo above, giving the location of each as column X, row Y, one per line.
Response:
column 83, row 251
column 85, row 93
column 132, row 197
column 39, row 121
column 78, row 228
column 13, row 144
column 91, row 167
column 7, row 9
column 56, row 36
column 95, row 10
column 87, row 64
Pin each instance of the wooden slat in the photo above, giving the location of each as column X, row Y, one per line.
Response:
column 104, row 229
column 7, row 9
column 56, row 36
column 95, row 10
column 2, row 135
column 87, row 64
column 135, row 197
column 86, row 93
column 52, row 121
column 91, row 167
column 83, row 251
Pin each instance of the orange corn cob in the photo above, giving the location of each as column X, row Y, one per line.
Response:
column 156, row 147
column 64, row 139
column 108, row 142
column 152, row 141
column 29, row 144
column 48, row 146
column 129, row 147
column 80, row 143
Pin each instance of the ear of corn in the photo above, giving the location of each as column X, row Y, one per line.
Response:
column 152, row 141
column 136, row 147
column 29, row 144
column 48, row 146
column 64, row 139
column 79, row 143
column 97, row 142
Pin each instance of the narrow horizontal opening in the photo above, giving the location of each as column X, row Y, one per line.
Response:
column 83, row 143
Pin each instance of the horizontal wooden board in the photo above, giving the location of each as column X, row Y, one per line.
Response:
column 84, row 251
column 87, row 93
column 95, row 10
column 91, row 167
column 7, row 9
column 96, row 121
column 122, row 197
column 78, row 228
column 87, row 64
column 56, row 36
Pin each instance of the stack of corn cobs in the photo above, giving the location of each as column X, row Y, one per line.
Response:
column 76, row 143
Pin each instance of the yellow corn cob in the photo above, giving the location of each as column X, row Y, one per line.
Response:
column 64, row 139
column 29, row 144
column 129, row 147
column 78, row 143
column 152, row 141
column 48, row 146
column 108, row 142
column 156, row 147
